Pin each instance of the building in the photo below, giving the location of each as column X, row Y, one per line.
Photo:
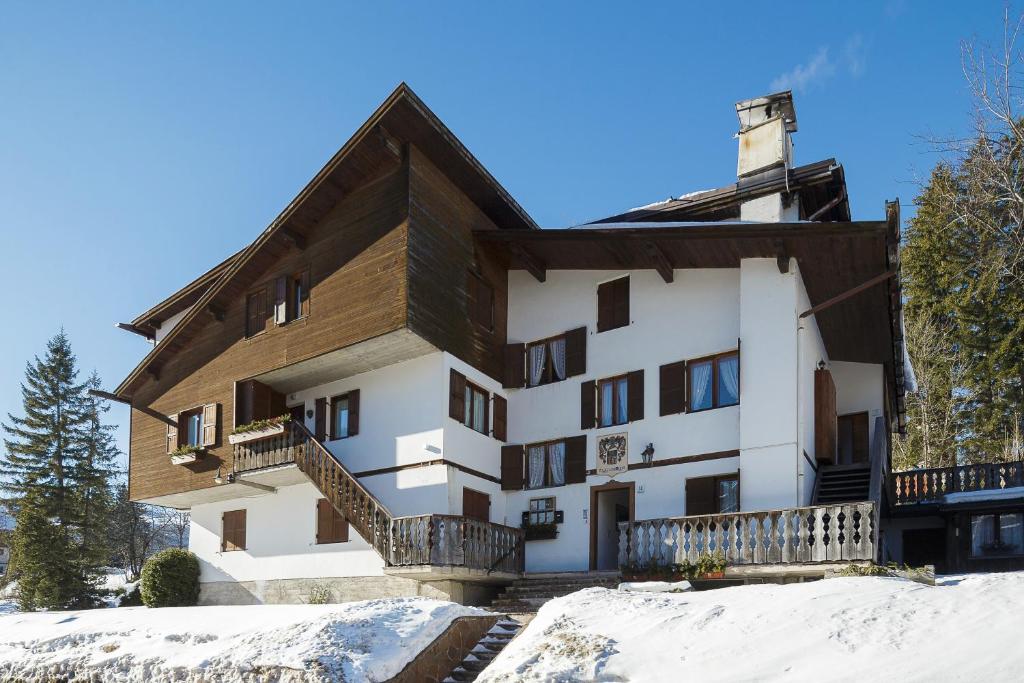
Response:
column 438, row 396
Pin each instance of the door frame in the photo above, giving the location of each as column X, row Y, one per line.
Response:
column 594, row 490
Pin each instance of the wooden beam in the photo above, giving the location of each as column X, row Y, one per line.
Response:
column 390, row 141
column 154, row 372
column 107, row 396
column 781, row 256
column 830, row 205
column 828, row 303
column 146, row 410
column 530, row 262
column 135, row 329
column 660, row 261
column 294, row 238
column 216, row 311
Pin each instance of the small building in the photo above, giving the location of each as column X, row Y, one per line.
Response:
column 404, row 386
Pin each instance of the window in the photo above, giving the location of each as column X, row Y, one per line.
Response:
column 191, row 428
column 613, row 304
column 331, row 527
column 714, row 382
column 613, row 401
column 256, row 312
column 345, row 415
column 233, row 531
column 545, row 464
column 545, row 361
column 713, row 495
column 475, row 416
column 481, row 302
column 542, row 511
column 298, row 296
column 997, row 535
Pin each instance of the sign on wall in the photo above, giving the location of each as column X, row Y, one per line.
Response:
column 611, row 454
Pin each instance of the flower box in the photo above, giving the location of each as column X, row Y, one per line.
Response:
column 256, row 434
column 540, row 532
column 184, row 456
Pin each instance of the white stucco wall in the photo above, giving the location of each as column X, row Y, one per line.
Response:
column 812, row 351
column 168, row 325
column 280, row 541
column 860, row 387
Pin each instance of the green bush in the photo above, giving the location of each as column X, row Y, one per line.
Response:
column 132, row 598
column 170, row 579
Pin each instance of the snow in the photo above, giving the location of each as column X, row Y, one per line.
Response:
column 966, row 628
column 656, row 586
column 984, row 494
column 688, row 195
column 360, row 641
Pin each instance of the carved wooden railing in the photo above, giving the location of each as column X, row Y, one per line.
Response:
column 825, row 533
column 930, row 485
column 269, row 451
column 453, row 541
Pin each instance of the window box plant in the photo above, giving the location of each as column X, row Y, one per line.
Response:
column 541, row 532
column 184, row 455
column 259, row 429
column 707, row 566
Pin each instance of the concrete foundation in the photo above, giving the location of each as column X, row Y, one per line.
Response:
column 341, row 589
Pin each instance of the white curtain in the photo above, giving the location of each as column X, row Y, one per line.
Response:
column 729, row 372
column 556, row 456
column 536, row 467
column 622, row 413
column 606, row 404
column 558, row 357
column 537, row 354
column 700, row 390
column 982, row 533
column 1011, row 532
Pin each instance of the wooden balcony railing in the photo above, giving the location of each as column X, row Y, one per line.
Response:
column 930, row 485
column 433, row 539
column 453, row 541
column 827, row 533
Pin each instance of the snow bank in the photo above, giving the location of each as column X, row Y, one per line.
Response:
column 847, row 629
column 360, row 641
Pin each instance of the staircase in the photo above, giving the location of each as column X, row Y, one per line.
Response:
column 529, row 593
column 842, row 484
column 493, row 642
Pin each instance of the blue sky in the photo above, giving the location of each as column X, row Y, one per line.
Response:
column 142, row 143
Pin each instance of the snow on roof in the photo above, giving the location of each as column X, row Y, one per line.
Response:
column 688, row 195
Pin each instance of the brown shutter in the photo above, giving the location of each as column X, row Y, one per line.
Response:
column 353, row 412
column 635, row 397
column 500, row 418
column 323, row 521
column 672, row 388
column 457, row 396
column 320, row 421
column 700, row 496
column 576, row 460
column 588, row 391
column 172, row 433
column 476, row 505
column 210, row 424
column 515, row 364
column 621, row 315
column 511, row 468
column 576, row 352
column 605, row 306
column 304, row 303
column 281, row 300
column 256, row 312
column 825, row 425
column 233, row 530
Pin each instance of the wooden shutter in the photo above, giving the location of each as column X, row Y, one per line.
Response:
column 320, row 421
column 825, row 425
column 304, row 302
column 457, row 396
column 331, row 526
column 515, row 366
column 172, row 433
column 233, row 530
column 210, row 411
column 672, row 388
column 353, row 412
column 256, row 312
column 700, row 496
column 281, row 300
column 500, row 429
column 605, row 306
column 621, row 302
column 476, row 505
column 588, row 393
column 635, row 397
column 576, row 460
column 511, row 468
column 576, row 352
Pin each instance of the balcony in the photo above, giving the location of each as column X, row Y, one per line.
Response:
column 933, row 485
column 754, row 541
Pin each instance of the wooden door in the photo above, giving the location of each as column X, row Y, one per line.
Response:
column 853, row 439
column 824, row 417
column 476, row 505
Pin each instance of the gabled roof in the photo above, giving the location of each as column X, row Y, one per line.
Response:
column 821, row 185
column 373, row 149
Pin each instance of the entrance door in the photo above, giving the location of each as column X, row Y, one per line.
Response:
column 853, row 439
column 476, row 505
column 610, row 504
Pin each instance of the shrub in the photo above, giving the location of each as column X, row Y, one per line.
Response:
column 170, row 579
column 319, row 594
column 132, row 598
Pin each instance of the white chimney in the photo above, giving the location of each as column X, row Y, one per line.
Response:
column 765, row 143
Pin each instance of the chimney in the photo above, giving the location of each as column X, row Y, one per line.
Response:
column 765, row 143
